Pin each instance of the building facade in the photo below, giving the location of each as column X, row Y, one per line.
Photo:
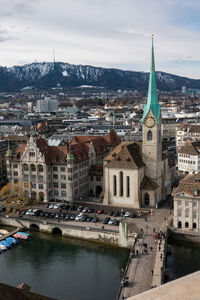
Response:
column 140, row 174
column 187, row 204
column 59, row 172
column 47, row 105
column 189, row 158
column 186, row 132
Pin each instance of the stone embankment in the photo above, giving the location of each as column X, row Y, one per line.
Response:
column 80, row 231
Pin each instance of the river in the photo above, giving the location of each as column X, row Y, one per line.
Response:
column 64, row 268
column 183, row 260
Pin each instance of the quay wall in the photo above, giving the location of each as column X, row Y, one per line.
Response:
column 95, row 234
column 185, row 236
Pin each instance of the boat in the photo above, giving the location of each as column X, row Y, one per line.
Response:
column 20, row 236
column 12, row 240
column 23, row 233
column 8, row 244
column 3, row 247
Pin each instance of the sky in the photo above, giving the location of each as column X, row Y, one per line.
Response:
column 103, row 33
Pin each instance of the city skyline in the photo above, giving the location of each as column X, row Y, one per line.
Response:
column 102, row 33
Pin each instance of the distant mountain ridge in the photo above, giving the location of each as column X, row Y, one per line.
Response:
column 46, row 75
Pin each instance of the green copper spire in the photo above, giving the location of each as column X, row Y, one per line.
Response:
column 9, row 151
column 152, row 99
column 69, row 154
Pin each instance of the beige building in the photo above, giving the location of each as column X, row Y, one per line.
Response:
column 140, row 174
column 187, row 204
column 186, row 132
column 60, row 172
column 189, row 158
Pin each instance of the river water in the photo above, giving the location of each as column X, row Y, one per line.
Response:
column 64, row 268
column 183, row 260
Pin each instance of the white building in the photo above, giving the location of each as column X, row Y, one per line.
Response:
column 189, row 158
column 187, row 204
column 186, row 132
column 47, row 105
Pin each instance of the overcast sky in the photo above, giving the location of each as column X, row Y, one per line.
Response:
column 105, row 33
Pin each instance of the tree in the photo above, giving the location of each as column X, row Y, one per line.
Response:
column 15, row 195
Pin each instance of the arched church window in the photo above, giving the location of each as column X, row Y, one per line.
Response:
column 114, row 185
column 121, row 180
column 149, row 135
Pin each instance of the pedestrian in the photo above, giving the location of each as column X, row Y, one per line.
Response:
column 159, row 247
column 151, row 249
column 141, row 230
column 161, row 256
column 152, row 272
column 154, row 230
column 137, row 252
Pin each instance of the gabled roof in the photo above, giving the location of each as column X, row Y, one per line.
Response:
column 190, row 148
column 125, row 155
column 189, row 185
column 148, row 184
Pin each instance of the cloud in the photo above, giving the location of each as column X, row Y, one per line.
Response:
column 107, row 33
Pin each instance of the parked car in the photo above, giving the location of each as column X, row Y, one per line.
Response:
column 111, row 222
column 52, row 215
column 72, row 217
column 95, row 220
column 83, row 218
column 78, row 217
column 100, row 211
column 89, row 219
column 90, row 210
column 80, row 208
column 85, row 210
column 116, row 214
column 67, row 217
column 116, row 223
column 133, row 215
column 106, row 220
column 127, row 214
column 111, row 213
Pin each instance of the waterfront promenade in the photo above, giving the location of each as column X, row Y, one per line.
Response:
column 144, row 271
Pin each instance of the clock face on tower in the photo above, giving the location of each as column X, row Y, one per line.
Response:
column 149, row 122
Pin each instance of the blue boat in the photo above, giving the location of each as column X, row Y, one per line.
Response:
column 8, row 244
column 12, row 240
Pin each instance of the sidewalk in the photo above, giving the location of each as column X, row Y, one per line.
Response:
column 145, row 269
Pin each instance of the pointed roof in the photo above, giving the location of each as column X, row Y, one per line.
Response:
column 152, row 99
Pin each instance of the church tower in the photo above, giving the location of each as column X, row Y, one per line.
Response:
column 151, row 132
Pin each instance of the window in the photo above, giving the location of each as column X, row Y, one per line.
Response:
column 179, row 224
column 56, row 193
column 15, row 173
column 121, row 180
column 63, row 177
column 15, row 180
column 194, row 203
column 32, row 154
column 69, row 170
column 40, row 178
column 194, row 225
column 98, row 178
column 63, row 185
column 25, row 167
column 186, row 203
column 62, row 169
column 187, row 213
column 40, row 168
column 15, row 166
column 33, row 177
column 91, row 178
column 55, row 185
column 40, row 186
column 63, row 194
column 149, row 136
column 55, row 168
column 33, row 168
column 179, row 213
column 114, row 185
column 26, row 177
column 194, row 214
column 186, row 224
column 33, row 186
column 146, row 199
column 179, row 202
column 55, row 176
column 127, row 186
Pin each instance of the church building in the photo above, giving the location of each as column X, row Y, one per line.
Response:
column 140, row 174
